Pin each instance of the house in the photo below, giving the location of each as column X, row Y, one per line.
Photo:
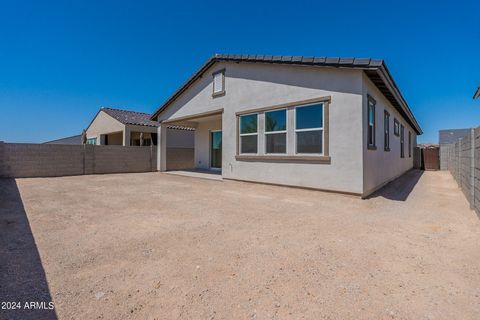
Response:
column 337, row 124
column 77, row 139
column 122, row 127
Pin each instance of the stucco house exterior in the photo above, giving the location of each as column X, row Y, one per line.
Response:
column 324, row 123
column 112, row 126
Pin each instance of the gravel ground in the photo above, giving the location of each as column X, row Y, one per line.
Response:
column 158, row 246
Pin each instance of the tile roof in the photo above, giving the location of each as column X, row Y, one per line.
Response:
column 131, row 117
column 375, row 69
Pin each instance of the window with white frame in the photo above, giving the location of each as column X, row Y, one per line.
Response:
column 276, row 131
column 409, row 144
column 219, row 82
column 386, row 130
column 92, row 140
column 248, row 133
column 309, row 129
column 396, row 127
column 402, row 141
column 371, row 124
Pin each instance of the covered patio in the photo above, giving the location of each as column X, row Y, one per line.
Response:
column 207, row 142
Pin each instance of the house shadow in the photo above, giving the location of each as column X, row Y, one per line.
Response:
column 400, row 188
column 23, row 284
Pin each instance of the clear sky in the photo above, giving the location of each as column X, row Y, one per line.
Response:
column 61, row 61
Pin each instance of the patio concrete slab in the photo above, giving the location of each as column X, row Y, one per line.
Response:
column 198, row 173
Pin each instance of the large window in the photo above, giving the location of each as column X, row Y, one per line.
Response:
column 402, row 141
column 276, row 131
column 371, row 123
column 386, row 124
column 249, row 133
column 309, row 129
column 92, row 141
column 409, row 144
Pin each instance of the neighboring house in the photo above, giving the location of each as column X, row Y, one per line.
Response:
column 325, row 123
column 122, row 127
column 477, row 93
column 68, row 140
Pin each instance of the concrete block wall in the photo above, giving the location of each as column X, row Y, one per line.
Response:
column 465, row 170
column 120, row 159
column 41, row 160
column 444, row 156
column 476, row 170
column 19, row 160
column 180, row 158
column 462, row 159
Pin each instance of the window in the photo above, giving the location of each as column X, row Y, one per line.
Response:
column 218, row 83
column 249, row 133
column 92, row 141
column 409, row 144
column 386, row 124
column 309, row 129
column 276, row 131
column 396, row 127
column 402, row 141
column 371, row 123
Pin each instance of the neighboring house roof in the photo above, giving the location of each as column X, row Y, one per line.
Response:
column 67, row 140
column 375, row 69
column 131, row 117
column 448, row 136
column 175, row 127
column 477, row 93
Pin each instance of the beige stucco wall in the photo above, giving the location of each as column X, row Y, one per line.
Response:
column 103, row 124
column 114, row 139
column 180, row 138
column 249, row 86
column 382, row 166
column 202, row 142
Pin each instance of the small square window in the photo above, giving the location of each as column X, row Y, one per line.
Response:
column 310, row 141
column 276, row 120
column 248, row 124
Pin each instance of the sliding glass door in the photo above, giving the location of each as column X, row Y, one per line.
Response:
column 216, row 149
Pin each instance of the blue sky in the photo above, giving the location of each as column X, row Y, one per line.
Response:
column 60, row 61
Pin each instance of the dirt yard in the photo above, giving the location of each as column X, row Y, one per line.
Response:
column 158, row 246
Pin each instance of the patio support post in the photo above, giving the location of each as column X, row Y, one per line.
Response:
column 162, row 148
column 126, row 137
